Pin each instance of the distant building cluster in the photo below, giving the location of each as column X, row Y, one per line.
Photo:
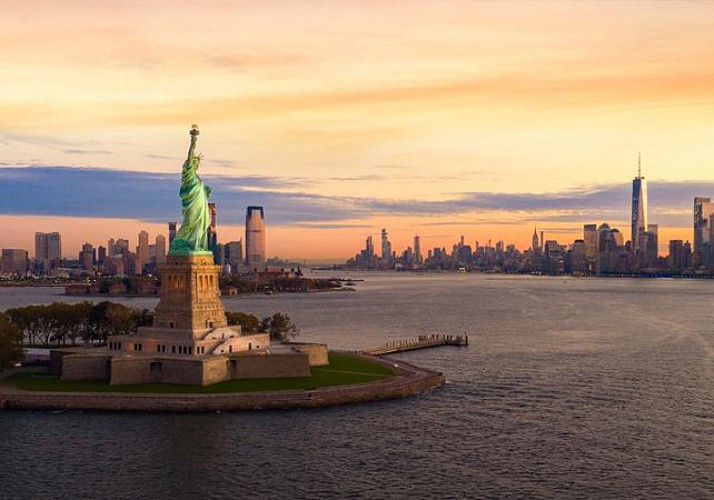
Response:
column 603, row 250
column 118, row 258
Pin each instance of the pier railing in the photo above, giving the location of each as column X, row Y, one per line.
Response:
column 421, row 342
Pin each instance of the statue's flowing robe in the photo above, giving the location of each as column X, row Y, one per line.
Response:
column 192, row 236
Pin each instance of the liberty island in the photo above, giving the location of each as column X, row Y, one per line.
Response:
column 191, row 344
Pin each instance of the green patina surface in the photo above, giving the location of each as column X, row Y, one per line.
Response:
column 342, row 370
column 192, row 236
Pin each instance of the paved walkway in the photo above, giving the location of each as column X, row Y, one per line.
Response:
column 408, row 380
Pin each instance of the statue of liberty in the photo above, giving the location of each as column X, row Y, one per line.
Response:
column 192, row 236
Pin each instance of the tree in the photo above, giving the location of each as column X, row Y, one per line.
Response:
column 143, row 317
column 280, row 327
column 10, row 343
column 247, row 322
column 108, row 318
column 26, row 320
column 72, row 320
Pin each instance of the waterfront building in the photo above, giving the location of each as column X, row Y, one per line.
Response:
column 639, row 206
column 255, row 238
column 703, row 208
column 606, row 248
column 677, row 257
column 648, row 245
column 578, row 257
column 554, row 257
column 14, row 261
column 111, row 247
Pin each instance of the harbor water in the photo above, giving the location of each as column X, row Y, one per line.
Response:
column 570, row 388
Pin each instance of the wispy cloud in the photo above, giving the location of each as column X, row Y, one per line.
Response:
column 65, row 191
column 97, row 192
column 58, row 144
column 161, row 157
column 331, row 225
column 75, row 151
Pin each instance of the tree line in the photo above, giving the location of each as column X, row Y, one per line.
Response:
column 279, row 325
column 59, row 323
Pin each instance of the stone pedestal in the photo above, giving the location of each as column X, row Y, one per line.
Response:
column 190, row 296
column 189, row 319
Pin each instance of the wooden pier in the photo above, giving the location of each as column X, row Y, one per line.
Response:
column 421, row 342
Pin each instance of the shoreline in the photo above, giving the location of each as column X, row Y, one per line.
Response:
column 407, row 381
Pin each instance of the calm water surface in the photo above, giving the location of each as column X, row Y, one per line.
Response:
column 570, row 389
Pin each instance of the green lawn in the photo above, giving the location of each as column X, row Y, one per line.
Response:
column 342, row 370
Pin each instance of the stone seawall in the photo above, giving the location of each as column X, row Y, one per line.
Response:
column 408, row 381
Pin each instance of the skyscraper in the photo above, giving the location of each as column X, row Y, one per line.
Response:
column 172, row 232
column 255, row 238
column 101, row 257
column 142, row 252
column 87, row 257
column 48, row 246
column 14, row 260
column 703, row 208
column 652, row 244
column 679, row 255
column 591, row 241
column 418, row 258
column 233, row 251
column 386, row 246
column 212, row 237
column 41, row 246
column 535, row 244
column 160, row 249
column 213, row 226
column 639, row 206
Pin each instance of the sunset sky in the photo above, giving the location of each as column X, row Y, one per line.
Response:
column 436, row 118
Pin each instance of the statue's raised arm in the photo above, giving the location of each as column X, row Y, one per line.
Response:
column 192, row 236
column 194, row 139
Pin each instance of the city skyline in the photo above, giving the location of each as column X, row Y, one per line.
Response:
column 490, row 116
column 78, row 235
